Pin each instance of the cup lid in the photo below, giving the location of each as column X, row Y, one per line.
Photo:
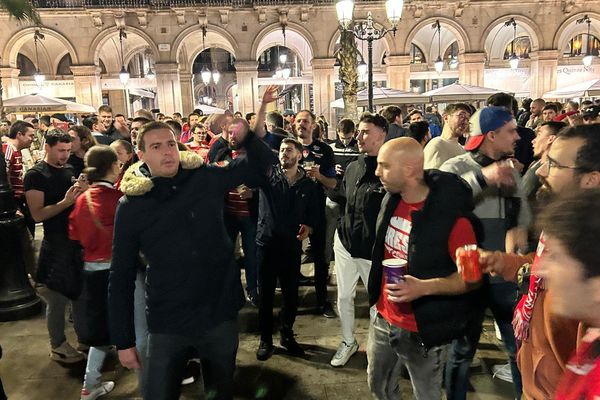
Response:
column 394, row 263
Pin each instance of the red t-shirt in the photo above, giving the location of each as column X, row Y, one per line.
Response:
column 581, row 380
column 96, row 241
column 396, row 246
column 14, row 168
column 234, row 205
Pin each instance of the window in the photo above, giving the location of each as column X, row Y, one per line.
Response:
column 418, row 57
column 25, row 65
column 578, row 46
column 64, row 66
column 522, row 47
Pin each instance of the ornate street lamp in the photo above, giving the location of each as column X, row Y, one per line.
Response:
column 38, row 76
column 206, row 75
column 439, row 63
column 367, row 31
column 589, row 57
column 216, row 76
column 150, row 74
column 513, row 60
column 123, row 74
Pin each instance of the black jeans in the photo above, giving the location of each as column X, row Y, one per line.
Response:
column 317, row 247
column 280, row 258
column 169, row 354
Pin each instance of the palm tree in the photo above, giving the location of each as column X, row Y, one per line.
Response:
column 347, row 57
column 21, row 10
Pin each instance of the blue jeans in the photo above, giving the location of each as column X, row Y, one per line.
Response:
column 93, row 368
column 168, row 356
column 500, row 298
column 246, row 226
column 388, row 349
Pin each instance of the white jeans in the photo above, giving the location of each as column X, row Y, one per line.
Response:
column 348, row 269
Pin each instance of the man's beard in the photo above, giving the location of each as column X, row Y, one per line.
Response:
column 544, row 194
column 287, row 164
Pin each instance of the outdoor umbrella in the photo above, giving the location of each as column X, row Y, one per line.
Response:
column 583, row 89
column 35, row 103
column 460, row 92
column 206, row 109
column 383, row 96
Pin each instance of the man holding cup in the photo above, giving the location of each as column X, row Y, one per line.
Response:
column 425, row 219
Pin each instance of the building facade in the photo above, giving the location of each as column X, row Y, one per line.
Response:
column 169, row 44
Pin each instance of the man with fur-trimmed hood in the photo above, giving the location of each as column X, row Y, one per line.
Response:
column 193, row 284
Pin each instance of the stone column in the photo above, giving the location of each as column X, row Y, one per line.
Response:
column 118, row 102
column 324, row 88
column 187, row 94
column 542, row 72
column 168, row 88
column 470, row 68
column 247, row 86
column 398, row 72
column 88, row 89
column 10, row 82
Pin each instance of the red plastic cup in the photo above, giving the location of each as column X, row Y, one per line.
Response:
column 468, row 264
column 394, row 269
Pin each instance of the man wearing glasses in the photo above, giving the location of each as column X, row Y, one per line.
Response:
column 546, row 341
column 446, row 146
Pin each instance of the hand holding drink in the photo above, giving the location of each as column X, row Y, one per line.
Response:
column 467, row 261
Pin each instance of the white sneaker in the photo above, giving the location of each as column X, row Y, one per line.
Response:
column 99, row 390
column 502, row 372
column 343, row 354
column 65, row 353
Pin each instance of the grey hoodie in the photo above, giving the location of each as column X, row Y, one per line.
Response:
column 490, row 202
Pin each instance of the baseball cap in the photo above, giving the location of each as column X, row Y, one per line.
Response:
column 486, row 120
column 590, row 112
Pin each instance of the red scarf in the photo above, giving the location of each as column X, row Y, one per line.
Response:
column 524, row 310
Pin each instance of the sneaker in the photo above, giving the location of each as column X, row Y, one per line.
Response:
column 192, row 372
column 291, row 346
column 502, row 372
column 99, row 390
column 66, row 354
column 343, row 354
column 265, row 351
column 253, row 298
column 327, row 310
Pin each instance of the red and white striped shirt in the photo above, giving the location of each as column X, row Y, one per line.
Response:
column 14, row 168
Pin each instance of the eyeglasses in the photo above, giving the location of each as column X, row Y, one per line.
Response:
column 551, row 163
column 462, row 115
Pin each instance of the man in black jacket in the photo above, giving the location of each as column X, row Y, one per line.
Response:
column 362, row 192
column 424, row 219
column 193, row 286
column 286, row 217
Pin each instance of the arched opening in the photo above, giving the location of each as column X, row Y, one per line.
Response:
column 64, row 65
column 213, row 75
column 136, row 55
column 429, row 45
column 25, row 65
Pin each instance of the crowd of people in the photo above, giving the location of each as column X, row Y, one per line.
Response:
column 141, row 217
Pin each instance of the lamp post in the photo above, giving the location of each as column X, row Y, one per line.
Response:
column 38, row 76
column 589, row 57
column 513, row 60
column 124, row 74
column 439, row 63
column 366, row 31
